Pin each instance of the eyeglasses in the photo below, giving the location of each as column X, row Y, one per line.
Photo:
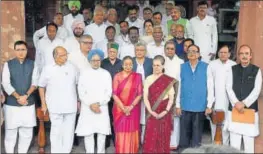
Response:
column 169, row 48
column 192, row 52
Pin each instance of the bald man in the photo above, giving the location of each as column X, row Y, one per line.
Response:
column 57, row 90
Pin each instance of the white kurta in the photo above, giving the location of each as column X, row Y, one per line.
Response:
column 126, row 49
column 72, row 44
column 121, row 39
column 68, row 21
column 154, row 50
column 103, row 46
column 116, row 26
column 44, row 52
column 79, row 60
column 137, row 23
column 204, row 33
column 94, row 86
column 62, row 33
column 96, row 31
column 60, row 83
column 241, row 128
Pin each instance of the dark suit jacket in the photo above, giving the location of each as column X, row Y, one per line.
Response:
column 147, row 65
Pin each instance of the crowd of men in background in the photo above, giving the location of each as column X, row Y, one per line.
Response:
column 79, row 54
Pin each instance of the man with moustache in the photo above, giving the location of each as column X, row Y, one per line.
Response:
column 62, row 32
column 112, row 20
column 157, row 46
column 177, row 31
column 243, row 87
column 216, row 81
column 74, row 7
column 187, row 42
column 123, row 37
column 133, row 19
column 113, row 65
column 72, row 42
column 203, row 30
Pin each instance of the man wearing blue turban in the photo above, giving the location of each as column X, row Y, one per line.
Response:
column 95, row 89
column 74, row 7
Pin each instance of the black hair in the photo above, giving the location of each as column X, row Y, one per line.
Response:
column 110, row 27
column 160, row 58
column 123, row 21
column 147, row 9
column 133, row 28
column 126, row 58
column 51, row 24
column 193, row 45
column 156, row 13
column 20, row 42
column 189, row 39
column 148, row 20
column 133, row 7
column 202, row 3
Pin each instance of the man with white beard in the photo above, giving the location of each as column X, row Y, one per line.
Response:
column 216, row 73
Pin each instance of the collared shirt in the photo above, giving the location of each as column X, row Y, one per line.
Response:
column 72, row 44
column 68, row 21
column 79, row 60
column 96, row 31
column 112, row 68
column 216, row 78
column 120, row 39
column 6, row 79
column 153, row 50
column 116, row 26
column 103, row 46
column 204, row 33
column 137, row 23
column 62, row 33
column 60, row 83
column 44, row 52
column 126, row 49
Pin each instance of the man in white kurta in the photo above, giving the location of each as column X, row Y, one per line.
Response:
column 243, row 87
column 95, row 90
column 19, row 80
column 74, row 7
column 72, row 42
column 110, row 37
column 217, row 71
column 45, row 47
column 157, row 46
column 123, row 37
column 203, row 30
column 97, row 28
column 112, row 20
column 62, row 32
column 133, row 19
column 79, row 58
column 58, row 93
column 127, row 49
column 172, row 68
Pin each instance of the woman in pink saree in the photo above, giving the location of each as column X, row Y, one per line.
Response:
column 127, row 93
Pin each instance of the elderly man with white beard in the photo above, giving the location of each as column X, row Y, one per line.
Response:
column 95, row 90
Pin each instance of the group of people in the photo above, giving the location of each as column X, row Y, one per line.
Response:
column 139, row 82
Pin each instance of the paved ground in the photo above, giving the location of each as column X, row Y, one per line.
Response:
column 80, row 149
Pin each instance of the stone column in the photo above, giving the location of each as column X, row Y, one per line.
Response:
column 12, row 27
column 250, row 32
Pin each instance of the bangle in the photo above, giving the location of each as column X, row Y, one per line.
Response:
column 166, row 110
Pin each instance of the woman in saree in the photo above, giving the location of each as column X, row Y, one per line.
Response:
column 127, row 93
column 158, row 97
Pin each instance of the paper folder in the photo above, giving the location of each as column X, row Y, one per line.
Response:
column 248, row 116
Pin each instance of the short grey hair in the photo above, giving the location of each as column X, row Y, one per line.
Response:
column 98, row 9
column 212, row 148
column 158, row 27
column 85, row 36
column 55, row 53
column 140, row 44
column 111, row 9
column 169, row 42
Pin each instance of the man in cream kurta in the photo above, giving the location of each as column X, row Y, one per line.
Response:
column 172, row 67
column 217, row 71
column 95, row 89
column 58, row 93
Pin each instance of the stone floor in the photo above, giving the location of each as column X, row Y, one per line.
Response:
column 80, row 149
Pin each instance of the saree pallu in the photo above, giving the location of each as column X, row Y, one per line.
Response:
column 158, row 131
column 127, row 127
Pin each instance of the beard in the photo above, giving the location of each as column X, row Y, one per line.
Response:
column 78, row 35
column 179, row 38
column 74, row 13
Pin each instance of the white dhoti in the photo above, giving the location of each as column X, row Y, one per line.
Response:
column 62, row 132
column 19, row 119
column 175, row 137
column 241, row 130
column 89, row 143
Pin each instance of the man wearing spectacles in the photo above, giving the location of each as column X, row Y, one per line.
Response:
column 191, row 104
column 20, row 78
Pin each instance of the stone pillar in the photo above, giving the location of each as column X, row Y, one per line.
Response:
column 250, row 32
column 12, row 27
